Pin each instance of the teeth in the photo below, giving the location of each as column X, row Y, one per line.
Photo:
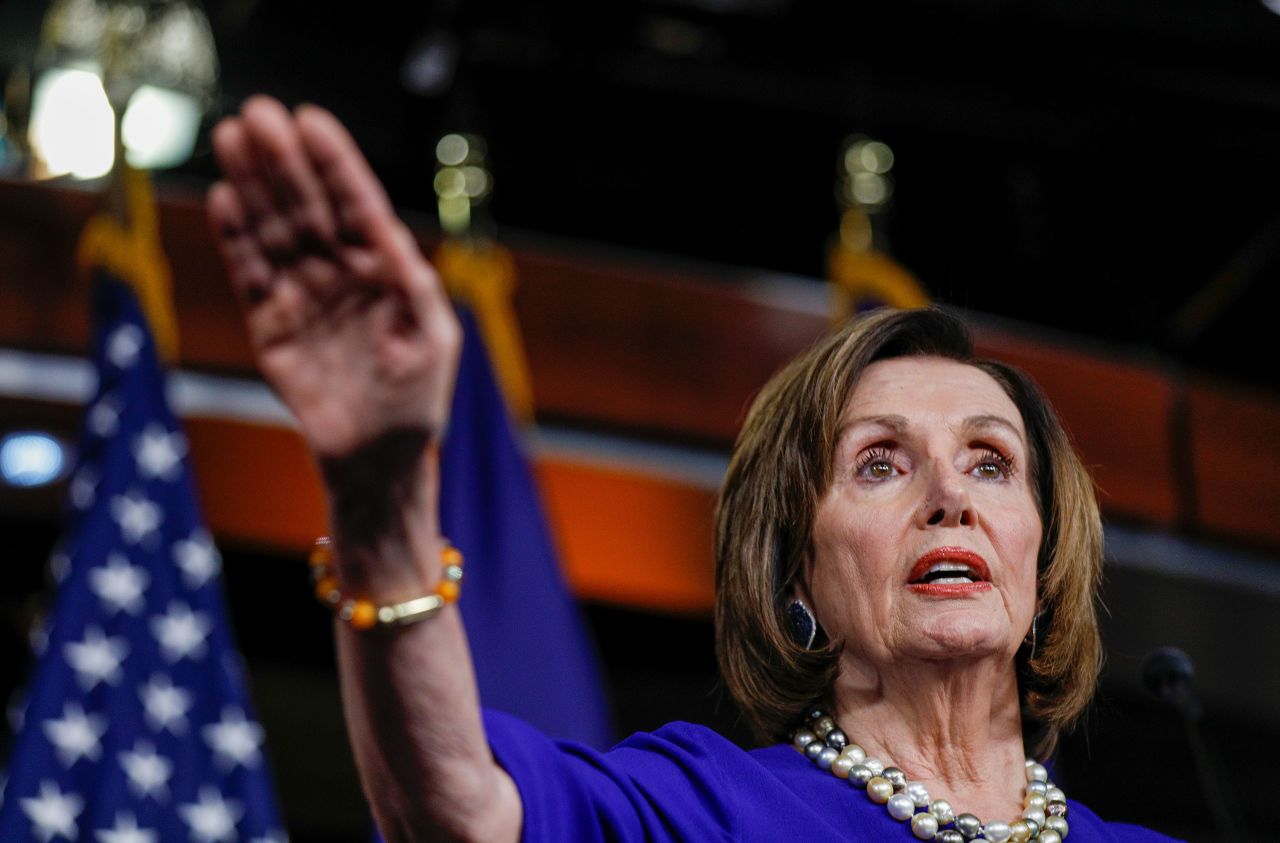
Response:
column 949, row 568
column 951, row 581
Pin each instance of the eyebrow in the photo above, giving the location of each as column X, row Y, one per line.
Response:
column 900, row 424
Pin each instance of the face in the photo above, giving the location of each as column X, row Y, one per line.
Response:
column 925, row 545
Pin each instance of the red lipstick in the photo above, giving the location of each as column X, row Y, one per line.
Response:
column 977, row 569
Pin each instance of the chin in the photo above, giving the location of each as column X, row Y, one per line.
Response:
column 963, row 636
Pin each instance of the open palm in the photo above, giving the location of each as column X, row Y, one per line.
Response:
column 347, row 319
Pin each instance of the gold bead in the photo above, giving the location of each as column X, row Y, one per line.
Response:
column 879, row 789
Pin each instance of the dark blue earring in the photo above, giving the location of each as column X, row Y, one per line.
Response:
column 804, row 626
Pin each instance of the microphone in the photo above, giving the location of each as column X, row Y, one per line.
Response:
column 1167, row 674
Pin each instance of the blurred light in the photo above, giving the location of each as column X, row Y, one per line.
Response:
column 1273, row 5
column 870, row 188
column 475, row 182
column 876, row 157
column 455, row 213
column 31, row 458
column 429, row 67
column 450, row 183
column 72, row 124
column 160, row 127
column 452, row 150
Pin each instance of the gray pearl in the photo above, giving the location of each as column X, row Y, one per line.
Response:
column 816, row 713
column 826, row 756
column 968, row 825
column 860, row 774
column 949, row 835
column 837, row 738
column 803, row 738
column 813, row 750
column 896, row 777
column 1033, row 827
column 1037, row 787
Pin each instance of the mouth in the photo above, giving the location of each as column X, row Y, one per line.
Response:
column 949, row 566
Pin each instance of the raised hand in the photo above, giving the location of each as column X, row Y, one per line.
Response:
column 348, row 320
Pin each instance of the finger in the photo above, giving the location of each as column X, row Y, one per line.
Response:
column 249, row 270
column 239, row 159
column 293, row 181
column 360, row 202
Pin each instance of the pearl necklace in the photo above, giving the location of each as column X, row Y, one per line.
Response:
column 1044, row 819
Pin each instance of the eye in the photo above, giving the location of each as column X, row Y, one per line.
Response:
column 992, row 465
column 876, row 463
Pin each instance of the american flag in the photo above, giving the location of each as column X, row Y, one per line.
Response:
column 137, row 725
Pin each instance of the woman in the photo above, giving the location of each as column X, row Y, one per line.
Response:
column 907, row 547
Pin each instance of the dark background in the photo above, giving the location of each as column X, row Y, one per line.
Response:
column 1109, row 169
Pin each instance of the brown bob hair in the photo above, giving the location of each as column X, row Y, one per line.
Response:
column 780, row 470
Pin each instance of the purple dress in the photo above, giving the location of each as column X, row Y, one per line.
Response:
column 686, row 782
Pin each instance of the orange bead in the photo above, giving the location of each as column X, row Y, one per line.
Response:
column 448, row 591
column 363, row 615
column 321, row 555
column 326, row 587
column 450, row 556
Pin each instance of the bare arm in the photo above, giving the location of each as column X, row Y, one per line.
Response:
column 351, row 327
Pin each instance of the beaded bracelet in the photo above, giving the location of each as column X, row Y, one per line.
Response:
column 362, row 614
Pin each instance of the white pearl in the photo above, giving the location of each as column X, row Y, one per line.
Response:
column 841, row 766
column 1037, row 773
column 1049, row 836
column 901, row 807
column 1034, row 814
column 1035, row 800
column 856, row 753
column 1058, row 824
column 1055, row 794
column 875, row 765
column 924, row 826
column 996, row 832
column 803, row 738
column 918, row 793
column 942, row 809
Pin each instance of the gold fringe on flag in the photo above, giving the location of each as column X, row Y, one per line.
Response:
column 130, row 249
column 481, row 274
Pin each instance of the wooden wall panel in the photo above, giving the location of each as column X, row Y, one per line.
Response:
column 1120, row 417
column 1235, row 450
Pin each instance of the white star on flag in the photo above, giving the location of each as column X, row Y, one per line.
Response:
column 83, row 488
column 181, row 632
column 137, row 516
column 234, row 740
column 119, row 585
column 126, row 831
column 76, row 734
column 104, row 417
column 198, row 559
column 166, row 704
column 148, row 771
column 123, row 345
column 159, row 452
column 96, row 658
column 52, row 812
column 212, row 819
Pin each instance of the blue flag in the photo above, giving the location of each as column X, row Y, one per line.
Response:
column 530, row 647
column 137, row 726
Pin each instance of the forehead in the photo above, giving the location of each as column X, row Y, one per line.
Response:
column 924, row 388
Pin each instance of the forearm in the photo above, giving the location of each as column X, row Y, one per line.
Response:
column 409, row 692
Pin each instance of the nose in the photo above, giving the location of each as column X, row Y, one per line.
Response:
column 946, row 502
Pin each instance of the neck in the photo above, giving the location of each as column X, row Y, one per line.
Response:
column 955, row 726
